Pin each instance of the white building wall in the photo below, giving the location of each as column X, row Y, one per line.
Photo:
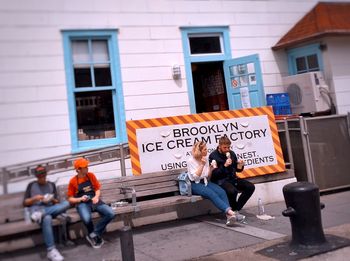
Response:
column 339, row 62
column 33, row 98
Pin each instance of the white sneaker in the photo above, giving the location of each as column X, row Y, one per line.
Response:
column 36, row 216
column 230, row 221
column 239, row 217
column 54, row 255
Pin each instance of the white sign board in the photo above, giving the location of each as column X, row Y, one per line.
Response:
column 167, row 147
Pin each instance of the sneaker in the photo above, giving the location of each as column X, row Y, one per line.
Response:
column 36, row 216
column 54, row 255
column 230, row 221
column 95, row 242
column 239, row 217
column 99, row 241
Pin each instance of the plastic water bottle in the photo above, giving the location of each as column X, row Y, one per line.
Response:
column 27, row 219
column 261, row 209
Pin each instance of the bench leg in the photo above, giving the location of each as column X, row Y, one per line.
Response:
column 127, row 220
column 127, row 244
column 63, row 235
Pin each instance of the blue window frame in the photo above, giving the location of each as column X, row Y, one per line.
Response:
column 305, row 59
column 203, row 44
column 94, row 86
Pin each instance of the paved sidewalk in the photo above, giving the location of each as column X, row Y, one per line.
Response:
column 206, row 238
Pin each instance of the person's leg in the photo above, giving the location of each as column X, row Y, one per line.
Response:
column 247, row 189
column 107, row 214
column 231, row 192
column 84, row 210
column 46, row 227
column 210, row 192
column 57, row 209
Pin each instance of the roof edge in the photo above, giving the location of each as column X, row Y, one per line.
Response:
column 311, row 37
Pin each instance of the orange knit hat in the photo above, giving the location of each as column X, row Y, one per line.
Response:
column 81, row 163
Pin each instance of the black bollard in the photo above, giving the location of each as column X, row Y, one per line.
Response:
column 127, row 244
column 304, row 210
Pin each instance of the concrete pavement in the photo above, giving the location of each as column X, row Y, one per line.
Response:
column 206, row 238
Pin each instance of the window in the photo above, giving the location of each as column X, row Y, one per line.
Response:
column 95, row 95
column 205, row 44
column 305, row 59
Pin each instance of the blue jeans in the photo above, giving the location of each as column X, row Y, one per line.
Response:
column 212, row 192
column 106, row 213
column 51, row 212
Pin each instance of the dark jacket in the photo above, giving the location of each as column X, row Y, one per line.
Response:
column 222, row 173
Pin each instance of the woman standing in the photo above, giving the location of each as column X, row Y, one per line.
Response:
column 199, row 173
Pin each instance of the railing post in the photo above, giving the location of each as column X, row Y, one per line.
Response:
column 348, row 121
column 307, row 150
column 5, row 179
column 127, row 244
column 122, row 160
column 289, row 146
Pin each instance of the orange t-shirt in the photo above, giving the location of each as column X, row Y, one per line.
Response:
column 74, row 182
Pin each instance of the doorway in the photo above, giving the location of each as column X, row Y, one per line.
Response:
column 209, row 86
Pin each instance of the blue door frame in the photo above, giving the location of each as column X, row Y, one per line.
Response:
column 255, row 87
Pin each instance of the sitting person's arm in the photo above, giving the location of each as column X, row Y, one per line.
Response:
column 220, row 172
column 30, row 200
column 96, row 198
column 240, row 165
column 72, row 188
column 195, row 169
column 55, row 199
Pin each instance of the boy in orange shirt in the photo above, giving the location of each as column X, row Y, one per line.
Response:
column 84, row 192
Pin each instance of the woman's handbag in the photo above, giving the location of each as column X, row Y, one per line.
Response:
column 184, row 184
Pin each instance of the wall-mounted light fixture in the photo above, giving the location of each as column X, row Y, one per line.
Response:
column 176, row 71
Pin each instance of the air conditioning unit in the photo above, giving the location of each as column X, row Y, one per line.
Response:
column 308, row 92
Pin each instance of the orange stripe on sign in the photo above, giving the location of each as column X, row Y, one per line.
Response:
column 185, row 119
column 199, row 117
column 215, row 116
column 210, row 117
column 172, row 120
column 145, row 124
column 167, row 121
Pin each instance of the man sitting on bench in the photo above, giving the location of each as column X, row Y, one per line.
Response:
column 84, row 192
column 42, row 200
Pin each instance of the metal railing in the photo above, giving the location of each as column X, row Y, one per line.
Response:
column 23, row 171
column 284, row 135
column 321, row 148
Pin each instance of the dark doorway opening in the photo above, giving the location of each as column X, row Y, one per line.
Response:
column 209, row 87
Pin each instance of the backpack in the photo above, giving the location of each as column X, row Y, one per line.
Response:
column 184, row 184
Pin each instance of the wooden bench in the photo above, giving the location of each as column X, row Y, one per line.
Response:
column 145, row 196
column 150, row 198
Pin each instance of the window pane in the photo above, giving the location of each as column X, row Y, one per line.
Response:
column 82, row 76
column 95, row 115
column 100, row 51
column 301, row 64
column 312, row 62
column 251, row 68
column 80, row 51
column 102, row 75
column 202, row 45
column 242, row 68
